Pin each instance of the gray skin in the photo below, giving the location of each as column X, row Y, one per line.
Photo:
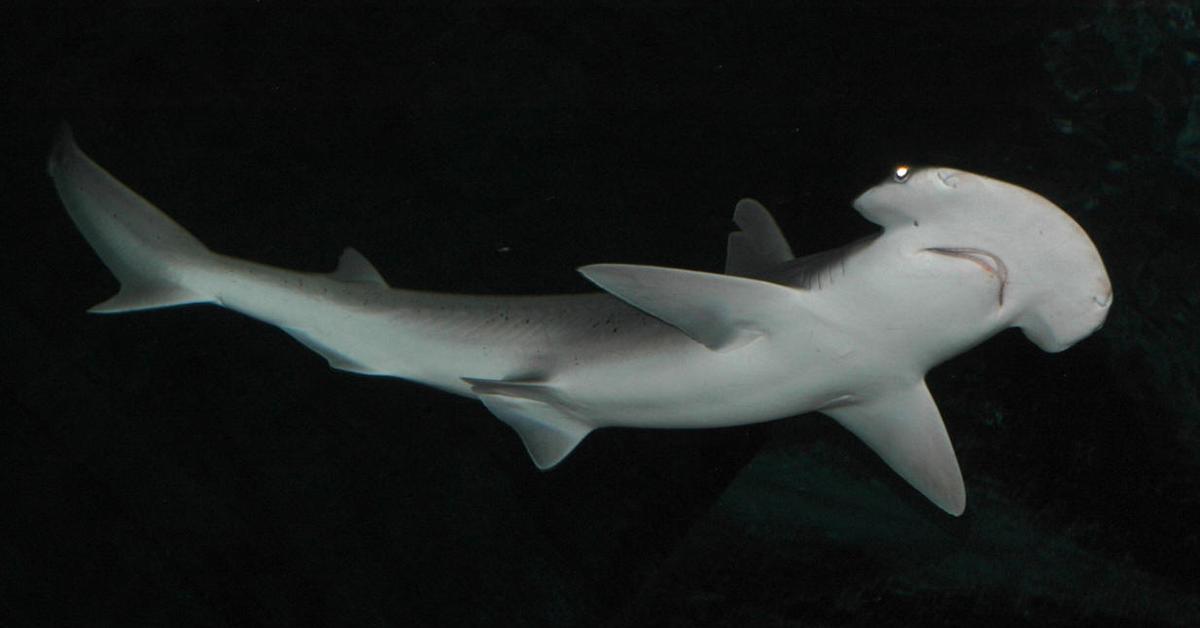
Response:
column 849, row 332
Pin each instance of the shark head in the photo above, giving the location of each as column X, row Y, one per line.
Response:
column 1053, row 284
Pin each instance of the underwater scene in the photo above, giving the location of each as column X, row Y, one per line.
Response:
column 943, row 373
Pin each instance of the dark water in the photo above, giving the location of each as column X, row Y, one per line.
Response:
column 193, row 468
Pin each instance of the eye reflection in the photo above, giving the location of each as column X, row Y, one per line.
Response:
column 901, row 173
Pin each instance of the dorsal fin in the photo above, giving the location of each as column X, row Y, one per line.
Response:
column 354, row 268
column 759, row 246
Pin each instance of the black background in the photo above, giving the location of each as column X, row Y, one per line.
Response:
column 193, row 467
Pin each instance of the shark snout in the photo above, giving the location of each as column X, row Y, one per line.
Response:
column 1103, row 300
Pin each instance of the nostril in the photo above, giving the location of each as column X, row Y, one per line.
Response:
column 949, row 179
column 1103, row 300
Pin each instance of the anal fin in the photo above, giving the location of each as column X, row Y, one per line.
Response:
column 549, row 430
column 141, row 294
column 336, row 359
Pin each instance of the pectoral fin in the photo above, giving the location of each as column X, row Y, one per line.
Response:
column 720, row 311
column 549, row 430
column 906, row 430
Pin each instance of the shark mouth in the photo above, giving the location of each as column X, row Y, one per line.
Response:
column 988, row 262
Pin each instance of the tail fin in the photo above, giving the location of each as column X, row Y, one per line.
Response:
column 142, row 246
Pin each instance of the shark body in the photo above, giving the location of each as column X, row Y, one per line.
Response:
column 849, row 332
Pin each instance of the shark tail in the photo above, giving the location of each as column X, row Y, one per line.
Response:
column 142, row 246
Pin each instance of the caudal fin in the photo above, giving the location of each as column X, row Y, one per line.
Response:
column 146, row 250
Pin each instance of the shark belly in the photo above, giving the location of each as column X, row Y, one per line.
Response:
column 688, row 386
column 610, row 362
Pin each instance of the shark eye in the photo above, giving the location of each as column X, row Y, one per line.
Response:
column 900, row 175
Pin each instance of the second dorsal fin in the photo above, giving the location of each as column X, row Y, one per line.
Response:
column 354, row 268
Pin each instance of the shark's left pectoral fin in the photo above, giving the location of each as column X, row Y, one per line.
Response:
column 722, row 312
column 549, row 430
column 905, row 428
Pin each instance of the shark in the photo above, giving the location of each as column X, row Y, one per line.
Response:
column 849, row 333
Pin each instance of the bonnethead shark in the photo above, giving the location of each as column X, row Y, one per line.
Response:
column 849, row 332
